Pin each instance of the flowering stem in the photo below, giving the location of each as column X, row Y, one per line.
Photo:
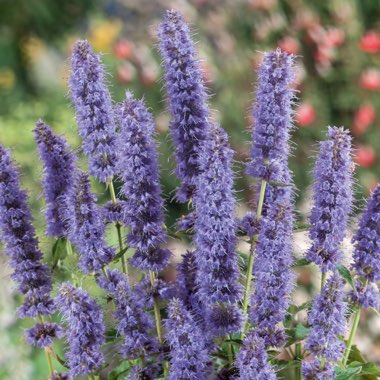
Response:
column 323, row 280
column 157, row 313
column 47, row 350
column 248, row 283
column 298, row 357
column 118, row 228
column 355, row 325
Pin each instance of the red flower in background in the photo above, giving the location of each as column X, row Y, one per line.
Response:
column 364, row 117
column 370, row 80
column 334, row 37
column 289, row 45
column 365, row 156
column 370, row 42
column 305, row 114
column 123, row 49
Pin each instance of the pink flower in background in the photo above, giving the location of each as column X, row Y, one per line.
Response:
column 370, row 80
column 123, row 49
column 364, row 117
column 370, row 42
column 365, row 156
column 289, row 45
column 334, row 37
column 305, row 115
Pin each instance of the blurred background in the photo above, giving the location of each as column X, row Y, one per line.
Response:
column 338, row 83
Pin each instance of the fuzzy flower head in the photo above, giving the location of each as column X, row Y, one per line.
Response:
column 43, row 334
column 94, row 111
column 273, row 278
column 85, row 329
column 88, row 228
column 59, row 172
column 252, row 360
column 328, row 323
column 133, row 323
column 365, row 296
column 187, row 99
column 367, row 240
column 138, row 168
column 188, row 354
column 273, row 117
column 332, row 199
column 222, row 319
column 20, row 243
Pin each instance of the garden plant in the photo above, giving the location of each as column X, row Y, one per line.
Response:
column 227, row 315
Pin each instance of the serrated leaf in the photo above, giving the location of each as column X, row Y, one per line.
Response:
column 301, row 331
column 346, row 373
column 356, row 355
column 345, row 273
column 370, row 369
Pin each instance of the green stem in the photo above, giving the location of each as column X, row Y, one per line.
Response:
column 157, row 313
column 230, row 351
column 157, row 316
column 248, row 282
column 47, row 350
column 118, row 228
column 323, row 280
column 354, row 327
column 298, row 357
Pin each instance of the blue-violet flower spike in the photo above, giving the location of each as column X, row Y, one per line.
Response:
column 94, row 111
column 332, row 199
column 273, row 117
column 59, row 172
column 252, row 360
column 187, row 99
column 188, row 354
column 138, row 168
column 327, row 320
column 20, row 243
column 87, row 230
column 85, row 329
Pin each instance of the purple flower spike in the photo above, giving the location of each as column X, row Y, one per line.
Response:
column 327, row 320
column 187, row 99
column 188, row 354
column 21, row 244
column 367, row 240
column 114, row 212
column 222, row 319
column 365, row 297
column 215, row 226
column 332, row 199
column 138, row 168
column 252, row 360
column 43, row 334
column 59, row 172
column 273, row 278
column 94, row 112
column 134, row 324
column 88, row 228
column 273, row 118
column 85, row 329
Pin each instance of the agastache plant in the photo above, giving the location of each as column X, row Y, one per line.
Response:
column 183, row 313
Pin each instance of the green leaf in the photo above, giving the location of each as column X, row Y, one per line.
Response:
column 370, row 371
column 301, row 263
column 356, row 355
column 120, row 370
column 345, row 273
column 120, row 254
column 301, row 331
column 58, row 252
column 346, row 373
